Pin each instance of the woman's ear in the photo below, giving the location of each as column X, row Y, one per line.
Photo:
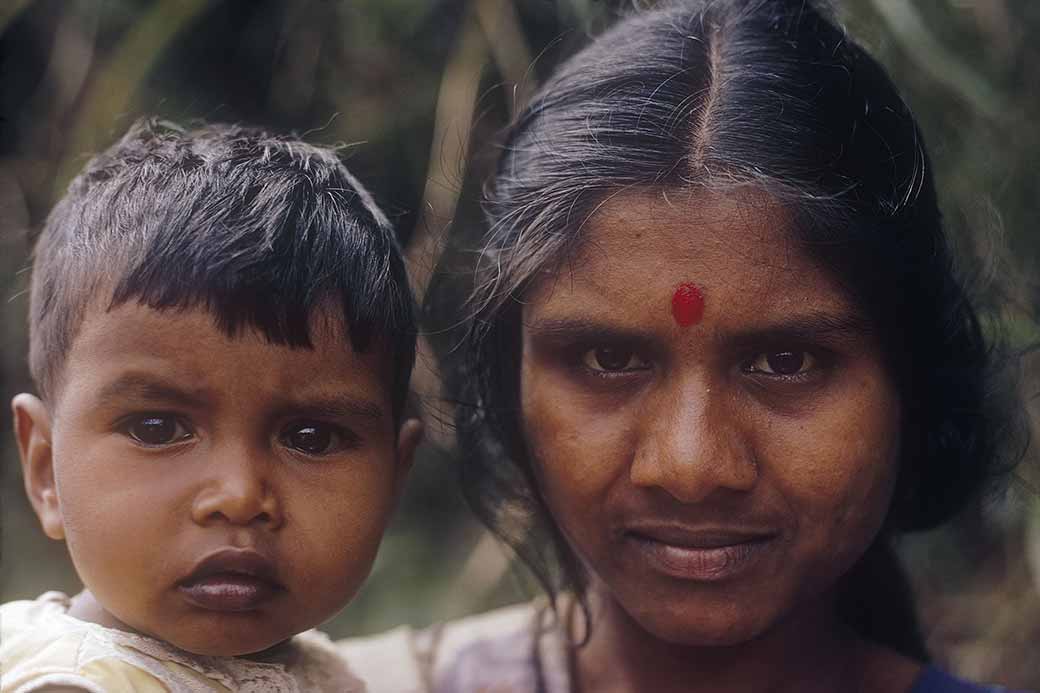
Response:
column 32, row 429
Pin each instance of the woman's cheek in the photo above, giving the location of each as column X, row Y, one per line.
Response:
column 851, row 467
column 841, row 491
column 575, row 445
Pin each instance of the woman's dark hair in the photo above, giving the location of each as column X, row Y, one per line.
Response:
column 773, row 95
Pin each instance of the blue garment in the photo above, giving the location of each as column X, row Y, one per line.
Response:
column 934, row 681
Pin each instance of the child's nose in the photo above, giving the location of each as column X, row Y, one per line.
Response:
column 239, row 492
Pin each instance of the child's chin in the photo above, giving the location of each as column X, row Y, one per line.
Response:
column 212, row 646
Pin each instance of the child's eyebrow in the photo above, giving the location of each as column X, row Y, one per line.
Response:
column 336, row 406
column 138, row 386
column 146, row 387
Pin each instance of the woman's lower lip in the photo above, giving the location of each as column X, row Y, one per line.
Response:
column 229, row 592
column 713, row 564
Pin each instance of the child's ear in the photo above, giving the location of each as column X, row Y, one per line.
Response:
column 408, row 438
column 32, row 429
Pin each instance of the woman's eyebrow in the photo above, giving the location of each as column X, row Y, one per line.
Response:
column 812, row 325
column 580, row 329
column 808, row 327
column 145, row 387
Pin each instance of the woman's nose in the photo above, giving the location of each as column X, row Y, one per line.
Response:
column 691, row 445
column 238, row 491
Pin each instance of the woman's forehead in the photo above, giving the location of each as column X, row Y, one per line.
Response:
column 692, row 222
column 738, row 250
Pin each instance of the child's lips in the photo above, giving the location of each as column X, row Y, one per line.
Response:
column 229, row 592
column 231, row 580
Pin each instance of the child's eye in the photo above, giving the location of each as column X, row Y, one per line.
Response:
column 782, row 363
column 614, row 359
column 314, row 438
column 156, row 430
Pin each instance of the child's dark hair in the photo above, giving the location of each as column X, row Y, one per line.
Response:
column 771, row 94
column 258, row 229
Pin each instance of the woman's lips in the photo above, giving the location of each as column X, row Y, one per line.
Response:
column 703, row 555
column 231, row 580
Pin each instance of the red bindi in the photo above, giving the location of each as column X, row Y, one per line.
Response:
column 687, row 305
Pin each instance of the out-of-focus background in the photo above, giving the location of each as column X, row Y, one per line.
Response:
column 419, row 90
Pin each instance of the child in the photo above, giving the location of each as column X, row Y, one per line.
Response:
column 222, row 337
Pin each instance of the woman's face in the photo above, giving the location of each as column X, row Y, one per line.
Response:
column 716, row 472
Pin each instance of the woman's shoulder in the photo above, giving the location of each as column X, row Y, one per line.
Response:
column 934, row 680
column 515, row 648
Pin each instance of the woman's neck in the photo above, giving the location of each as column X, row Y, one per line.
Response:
column 807, row 652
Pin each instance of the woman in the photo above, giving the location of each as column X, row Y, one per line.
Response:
column 718, row 360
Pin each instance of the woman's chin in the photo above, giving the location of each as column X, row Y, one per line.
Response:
column 693, row 626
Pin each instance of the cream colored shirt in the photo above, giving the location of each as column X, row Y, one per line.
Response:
column 518, row 649
column 41, row 645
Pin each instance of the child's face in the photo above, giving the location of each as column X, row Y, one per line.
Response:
column 219, row 494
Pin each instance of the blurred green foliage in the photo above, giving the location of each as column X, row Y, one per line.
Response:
column 419, row 89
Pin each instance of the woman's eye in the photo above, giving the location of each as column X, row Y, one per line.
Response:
column 156, row 430
column 314, row 438
column 782, row 362
column 612, row 359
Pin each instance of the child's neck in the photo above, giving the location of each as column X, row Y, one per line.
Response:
column 86, row 607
